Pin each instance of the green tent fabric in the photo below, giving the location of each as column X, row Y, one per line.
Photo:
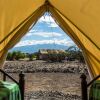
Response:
column 9, row 91
column 80, row 19
column 95, row 91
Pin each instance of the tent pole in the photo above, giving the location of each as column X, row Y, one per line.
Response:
column 22, row 84
column 84, row 87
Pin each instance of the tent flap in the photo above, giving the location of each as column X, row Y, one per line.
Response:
column 79, row 39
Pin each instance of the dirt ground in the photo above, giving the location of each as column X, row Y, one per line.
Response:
column 41, row 85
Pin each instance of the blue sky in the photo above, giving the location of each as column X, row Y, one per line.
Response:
column 46, row 31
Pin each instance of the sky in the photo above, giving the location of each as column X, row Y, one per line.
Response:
column 45, row 31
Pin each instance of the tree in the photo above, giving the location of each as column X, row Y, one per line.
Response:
column 80, row 57
column 9, row 56
column 31, row 56
column 74, row 53
column 57, row 57
column 15, row 55
column 20, row 55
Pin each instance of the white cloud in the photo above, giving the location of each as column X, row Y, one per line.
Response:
column 49, row 20
column 45, row 34
column 63, row 42
column 31, row 31
column 36, row 42
column 52, row 25
column 29, row 34
column 46, row 18
column 48, row 34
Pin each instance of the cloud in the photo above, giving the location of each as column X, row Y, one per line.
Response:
column 55, row 40
column 45, row 34
column 48, row 34
column 63, row 42
column 37, row 42
column 46, row 18
column 52, row 25
column 32, row 30
column 49, row 20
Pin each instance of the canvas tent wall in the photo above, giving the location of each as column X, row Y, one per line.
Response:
column 80, row 19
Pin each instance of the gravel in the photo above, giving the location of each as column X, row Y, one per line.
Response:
column 51, row 95
column 49, row 81
column 43, row 66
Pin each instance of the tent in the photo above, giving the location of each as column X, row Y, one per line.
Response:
column 80, row 19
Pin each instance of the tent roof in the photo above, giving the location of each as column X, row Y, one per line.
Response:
column 80, row 19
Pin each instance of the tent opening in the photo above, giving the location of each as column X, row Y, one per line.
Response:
column 44, row 40
column 48, row 35
column 79, row 19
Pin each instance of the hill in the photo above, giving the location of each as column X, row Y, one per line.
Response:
column 35, row 48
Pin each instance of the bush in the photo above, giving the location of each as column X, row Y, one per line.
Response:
column 54, row 57
column 15, row 55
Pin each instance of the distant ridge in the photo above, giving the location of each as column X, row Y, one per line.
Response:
column 35, row 48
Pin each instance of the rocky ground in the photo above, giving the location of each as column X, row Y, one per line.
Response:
column 43, row 66
column 49, row 81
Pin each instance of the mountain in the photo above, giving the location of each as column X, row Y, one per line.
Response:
column 35, row 48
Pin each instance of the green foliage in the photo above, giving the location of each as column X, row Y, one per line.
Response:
column 75, row 53
column 57, row 57
column 9, row 56
column 32, row 56
column 72, row 53
column 20, row 55
column 15, row 55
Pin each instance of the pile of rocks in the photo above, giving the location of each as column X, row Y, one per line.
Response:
column 50, row 95
column 42, row 66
